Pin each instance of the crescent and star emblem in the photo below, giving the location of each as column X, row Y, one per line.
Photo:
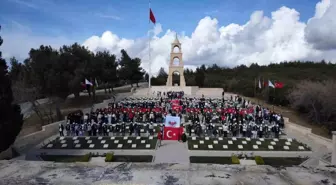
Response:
column 168, row 134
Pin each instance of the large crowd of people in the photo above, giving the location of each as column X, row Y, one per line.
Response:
column 232, row 117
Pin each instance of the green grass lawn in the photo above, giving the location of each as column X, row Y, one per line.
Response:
column 133, row 158
column 210, row 160
column 246, row 147
column 64, row 158
column 100, row 142
column 272, row 161
column 286, row 162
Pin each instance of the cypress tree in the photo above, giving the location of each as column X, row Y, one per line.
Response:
column 11, row 119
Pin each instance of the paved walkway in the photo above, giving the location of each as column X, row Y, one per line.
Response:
column 172, row 152
column 319, row 151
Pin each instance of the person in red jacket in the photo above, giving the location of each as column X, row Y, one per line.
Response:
column 159, row 136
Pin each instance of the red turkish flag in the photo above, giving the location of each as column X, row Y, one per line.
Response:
column 278, row 85
column 151, row 16
column 171, row 133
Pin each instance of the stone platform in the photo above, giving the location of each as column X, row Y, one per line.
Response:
column 26, row 173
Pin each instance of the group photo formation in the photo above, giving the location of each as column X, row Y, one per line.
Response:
column 246, row 103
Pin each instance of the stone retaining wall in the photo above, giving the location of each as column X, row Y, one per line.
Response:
column 23, row 143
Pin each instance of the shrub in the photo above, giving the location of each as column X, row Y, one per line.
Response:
column 259, row 160
column 85, row 158
column 109, row 157
column 235, row 160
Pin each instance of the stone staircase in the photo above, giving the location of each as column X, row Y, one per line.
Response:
column 209, row 92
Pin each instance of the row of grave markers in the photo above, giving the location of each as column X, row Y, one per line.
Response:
column 247, row 139
column 100, row 138
column 92, row 145
column 254, row 147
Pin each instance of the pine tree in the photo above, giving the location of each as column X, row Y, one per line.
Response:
column 11, row 119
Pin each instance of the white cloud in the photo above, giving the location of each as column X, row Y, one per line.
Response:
column 261, row 39
column 109, row 16
column 320, row 30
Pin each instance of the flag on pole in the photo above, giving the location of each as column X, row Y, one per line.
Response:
column 259, row 84
column 278, row 85
column 270, row 84
column 151, row 16
column 87, row 82
column 96, row 82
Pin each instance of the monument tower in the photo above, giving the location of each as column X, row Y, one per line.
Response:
column 173, row 68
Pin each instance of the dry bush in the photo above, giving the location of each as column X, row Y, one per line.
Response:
column 317, row 99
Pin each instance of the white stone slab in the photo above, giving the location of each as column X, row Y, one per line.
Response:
column 230, row 142
column 258, row 143
column 150, row 137
column 87, row 138
column 129, row 141
column 74, row 138
column 234, row 139
column 261, row 139
column 91, row 146
column 103, row 141
column 225, row 146
column 50, row 145
column 105, row 146
column 244, row 142
column 192, row 130
column 138, row 137
column 64, row 145
column 63, row 141
column 134, row 145
column 100, row 138
column 220, row 138
column 195, row 146
column 215, row 142
column 240, row 147
column 193, row 138
column 206, row 138
column 248, row 139
column 89, row 141
column 273, row 143
column 116, row 141
column 127, row 127
column 112, row 138
column 143, row 141
column 61, row 138
column 120, row 145
column 287, row 143
column 246, row 162
column 270, row 147
column 201, row 142
column 276, row 139
column 301, row 148
column 289, row 139
column 286, row 147
column 77, row 145
column 142, row 130
column 210, row 146
column 255, row 147
column 125, row 137
column 147, row 145
column 76, row 141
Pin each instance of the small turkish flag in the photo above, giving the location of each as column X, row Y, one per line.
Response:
column 171, row 133
column 151, row 16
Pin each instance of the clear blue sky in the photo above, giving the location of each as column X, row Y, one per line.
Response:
column 80, row 19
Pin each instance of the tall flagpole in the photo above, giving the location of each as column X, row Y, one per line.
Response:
column 149, row 50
